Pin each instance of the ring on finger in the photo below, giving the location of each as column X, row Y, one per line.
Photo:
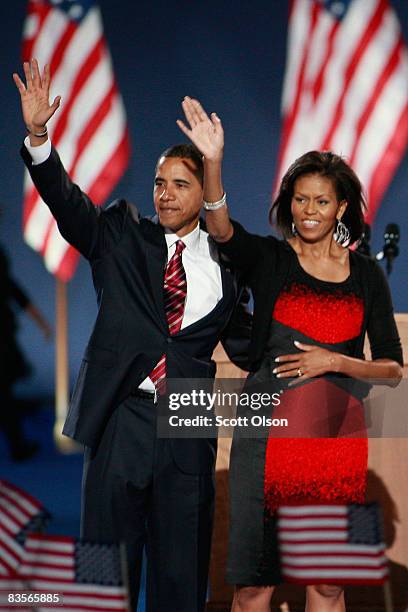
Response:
column 299, row 372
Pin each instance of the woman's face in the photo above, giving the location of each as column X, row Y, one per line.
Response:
column 315, row 207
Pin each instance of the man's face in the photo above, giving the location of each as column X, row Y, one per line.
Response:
column 177, row 194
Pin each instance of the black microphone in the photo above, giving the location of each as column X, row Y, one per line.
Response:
column 391, row 249
column 364, row 244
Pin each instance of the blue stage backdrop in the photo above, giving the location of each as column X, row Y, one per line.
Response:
column 228, row 54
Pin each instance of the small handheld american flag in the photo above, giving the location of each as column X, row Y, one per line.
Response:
column 20, row 514
column 89, row 576
column 332, row 544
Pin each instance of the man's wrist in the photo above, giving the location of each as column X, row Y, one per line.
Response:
column 39, row 150
column 37, row 141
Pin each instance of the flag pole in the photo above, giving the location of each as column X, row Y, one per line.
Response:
column 64, row 444
column 388, row 597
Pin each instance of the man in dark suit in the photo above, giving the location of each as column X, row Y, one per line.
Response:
column 137, row 487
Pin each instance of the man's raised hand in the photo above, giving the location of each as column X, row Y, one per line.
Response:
column 35, row 96
column 203, row 131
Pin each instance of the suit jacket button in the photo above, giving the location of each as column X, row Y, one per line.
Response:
column 169, row 340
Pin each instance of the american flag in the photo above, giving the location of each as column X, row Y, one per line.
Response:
column 90, row 127
column 333, row 544
column 89, row 576
column 20, row 514
column 346, row 88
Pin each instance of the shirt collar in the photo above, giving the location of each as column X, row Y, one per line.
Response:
column 191, row 240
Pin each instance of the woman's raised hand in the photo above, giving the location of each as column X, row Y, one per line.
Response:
column 35, row 96
column 204, row 131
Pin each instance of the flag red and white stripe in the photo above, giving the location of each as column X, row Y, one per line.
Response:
column 87, row 575
column 334, row 544
column 346, row 88
column 89, row 129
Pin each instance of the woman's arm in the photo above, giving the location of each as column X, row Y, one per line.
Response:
column 208, row 136
column 385, row 343
column 382, row 330
column 315, row 361
column 243, row 249
column 362, row 368
column 218, row 222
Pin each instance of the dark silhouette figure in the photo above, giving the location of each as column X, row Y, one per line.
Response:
column 13, row 365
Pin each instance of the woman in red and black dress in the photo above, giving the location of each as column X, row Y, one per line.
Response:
column 314, row 301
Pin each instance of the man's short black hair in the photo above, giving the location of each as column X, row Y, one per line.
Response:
column 187, row 151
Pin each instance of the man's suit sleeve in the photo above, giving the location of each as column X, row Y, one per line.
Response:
column 89, row 228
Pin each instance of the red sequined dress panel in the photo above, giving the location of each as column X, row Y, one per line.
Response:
column 324, row 316
column 318, row 469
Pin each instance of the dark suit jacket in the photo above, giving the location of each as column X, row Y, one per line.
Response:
column 128, row 255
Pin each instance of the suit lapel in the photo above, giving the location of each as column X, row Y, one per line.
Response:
column 156, row 260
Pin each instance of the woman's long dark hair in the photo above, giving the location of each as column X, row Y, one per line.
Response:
column 345, row 182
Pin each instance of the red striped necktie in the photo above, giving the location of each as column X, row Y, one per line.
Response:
column 175, row 292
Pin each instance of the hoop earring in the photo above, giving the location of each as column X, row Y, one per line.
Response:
column 294, row 230
column 342, row 234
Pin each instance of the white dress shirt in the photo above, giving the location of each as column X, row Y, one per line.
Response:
column 203, row 274
column 200, row 261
